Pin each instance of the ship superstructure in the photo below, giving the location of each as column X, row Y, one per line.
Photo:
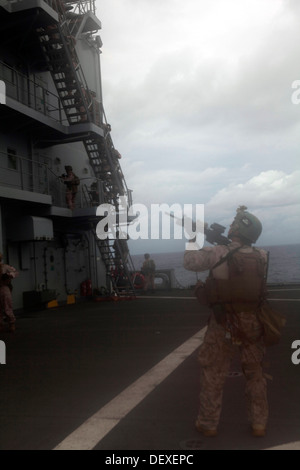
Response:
column 53, row 117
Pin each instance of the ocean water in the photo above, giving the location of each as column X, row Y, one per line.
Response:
column 284, row 265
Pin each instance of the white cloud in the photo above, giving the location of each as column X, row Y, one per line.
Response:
column 155, row 186
column 273, row 196
column 268, row 189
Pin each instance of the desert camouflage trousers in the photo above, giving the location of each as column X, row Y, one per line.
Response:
column 70, row 198
column 215, row 355
column 6, row 308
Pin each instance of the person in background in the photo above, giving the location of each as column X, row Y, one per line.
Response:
column 72, row 182
column 148, row 270
column 7, row 274
column 234, row 290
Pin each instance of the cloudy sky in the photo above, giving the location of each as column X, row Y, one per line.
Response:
column 200, row 97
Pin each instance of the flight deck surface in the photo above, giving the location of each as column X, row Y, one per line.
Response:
column 124, row 376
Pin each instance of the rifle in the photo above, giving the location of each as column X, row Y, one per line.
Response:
column 213, row 233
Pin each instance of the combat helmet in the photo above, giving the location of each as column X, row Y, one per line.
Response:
column 246, row 225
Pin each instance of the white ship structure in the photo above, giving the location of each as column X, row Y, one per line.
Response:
column 52, row 116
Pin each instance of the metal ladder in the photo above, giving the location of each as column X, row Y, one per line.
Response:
column 64, row 66
column 119, row 270
column 104, row 160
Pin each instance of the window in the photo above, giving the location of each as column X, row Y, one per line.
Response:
column 12, row 161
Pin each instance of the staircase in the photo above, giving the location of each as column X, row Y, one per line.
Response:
column 63, row 63
column 104, row 159
column 119, row 266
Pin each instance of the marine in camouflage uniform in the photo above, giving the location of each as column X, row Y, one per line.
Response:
column 7, row 274
column 148, row 269
column 230, row 329
column 72, row 182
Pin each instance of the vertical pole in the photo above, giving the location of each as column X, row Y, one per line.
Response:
column 34, row 91
column 17, row 84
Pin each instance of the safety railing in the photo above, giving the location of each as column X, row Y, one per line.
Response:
column 25, row 174
column 32, row 94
